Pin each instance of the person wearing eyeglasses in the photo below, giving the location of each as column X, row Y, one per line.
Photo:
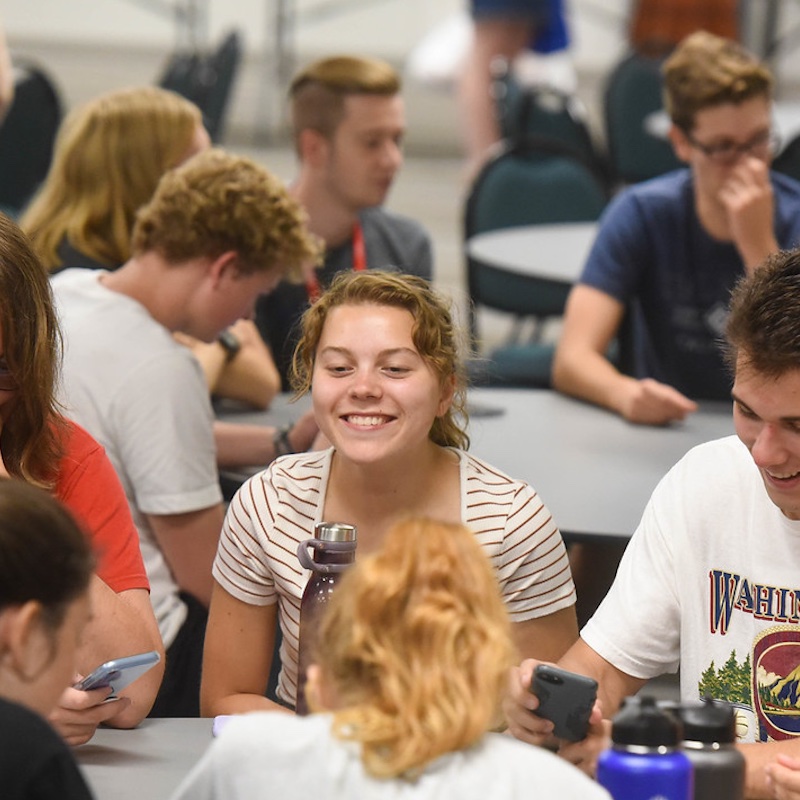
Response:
column 669, row 250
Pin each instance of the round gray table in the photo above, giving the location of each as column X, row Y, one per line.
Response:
column 555, row 252
column 594, row 470
column 147, row 763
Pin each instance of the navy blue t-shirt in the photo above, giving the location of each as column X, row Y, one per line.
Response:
column 653, row 255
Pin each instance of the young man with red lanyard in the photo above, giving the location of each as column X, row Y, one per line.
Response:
column 348, row 122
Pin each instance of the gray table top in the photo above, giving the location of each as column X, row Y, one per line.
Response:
column 556, row 252
column 148, row 762
column 594, row 471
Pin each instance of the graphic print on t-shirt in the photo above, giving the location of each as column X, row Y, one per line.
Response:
column 765, row 686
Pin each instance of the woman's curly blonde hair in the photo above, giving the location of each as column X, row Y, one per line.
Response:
column 416, row 646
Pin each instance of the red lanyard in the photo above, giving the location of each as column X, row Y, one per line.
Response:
column 359, row 263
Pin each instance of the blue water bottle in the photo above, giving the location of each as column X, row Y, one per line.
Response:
column 645, row 762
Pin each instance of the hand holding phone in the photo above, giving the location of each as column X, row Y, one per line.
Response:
column 119, row 672
column 566, row 699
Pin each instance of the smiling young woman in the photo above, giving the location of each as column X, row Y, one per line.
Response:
column 379, row 355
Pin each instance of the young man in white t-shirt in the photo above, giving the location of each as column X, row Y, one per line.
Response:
column 219, row 231
column 710, row 580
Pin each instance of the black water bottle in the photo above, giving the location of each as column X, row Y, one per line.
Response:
column 334, row 549
column 709, row 736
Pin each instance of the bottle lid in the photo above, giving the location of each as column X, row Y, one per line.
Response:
column 709, row 721
column 335, row 532
column 641, row 722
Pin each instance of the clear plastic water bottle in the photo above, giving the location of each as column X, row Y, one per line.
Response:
column 334, row 549
column 645, row 761
column 709, row 736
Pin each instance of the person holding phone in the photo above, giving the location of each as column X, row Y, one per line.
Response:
column 379, row 353
column 219, row 230
column 708, row 584
column 108, row 158
column 413, row 656
column 40, row 446
column 46, row 570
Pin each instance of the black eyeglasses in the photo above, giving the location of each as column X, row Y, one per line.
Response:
column 761, row 145
column 7, row 381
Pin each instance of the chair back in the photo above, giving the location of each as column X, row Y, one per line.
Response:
column 633, row 92
column 788, row 160
column 27, row 135
column 538, row 182
column 207, row 80
column 543, row 112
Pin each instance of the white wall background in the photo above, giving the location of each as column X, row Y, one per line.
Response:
column 92, row 46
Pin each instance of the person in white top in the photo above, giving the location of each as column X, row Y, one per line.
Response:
column 413, row 659
column 379, row 355
column 709, row 581
column 219, row 230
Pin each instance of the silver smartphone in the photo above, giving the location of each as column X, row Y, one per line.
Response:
column 119, row 672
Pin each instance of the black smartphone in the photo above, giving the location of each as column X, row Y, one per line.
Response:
column 566, row 699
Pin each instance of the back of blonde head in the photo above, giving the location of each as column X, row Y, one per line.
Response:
column 108, row 159
column 416, row 647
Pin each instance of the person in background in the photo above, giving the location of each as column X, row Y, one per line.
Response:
column 348, row 123
column 218, row 231
column 667, row 254
column 669, row 250
column 6, row 75
column 109, row 155
column 379, row 354
column 412, row 664
column 38, row 445
column 709, row 581
column 46, row 568
column 501, row 29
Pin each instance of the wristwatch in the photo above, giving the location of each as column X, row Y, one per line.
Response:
column 230, row 344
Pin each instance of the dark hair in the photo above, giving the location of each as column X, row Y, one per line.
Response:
column 764, row 322
column 31, row 440
column 44, row 555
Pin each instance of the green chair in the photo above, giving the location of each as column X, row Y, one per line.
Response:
column 543, row 112
column 535, row 182
column 633, row 93
column 27, row 135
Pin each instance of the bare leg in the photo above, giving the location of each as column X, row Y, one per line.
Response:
column 493, row 37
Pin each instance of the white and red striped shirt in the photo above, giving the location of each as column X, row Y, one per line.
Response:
column 277, row 509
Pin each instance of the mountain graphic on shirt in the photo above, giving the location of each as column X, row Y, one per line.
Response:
column 783, row 692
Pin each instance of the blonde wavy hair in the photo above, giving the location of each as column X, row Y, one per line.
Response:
column 434, row 335
column 416, row 646
column 109, row 156
column 217, row 202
